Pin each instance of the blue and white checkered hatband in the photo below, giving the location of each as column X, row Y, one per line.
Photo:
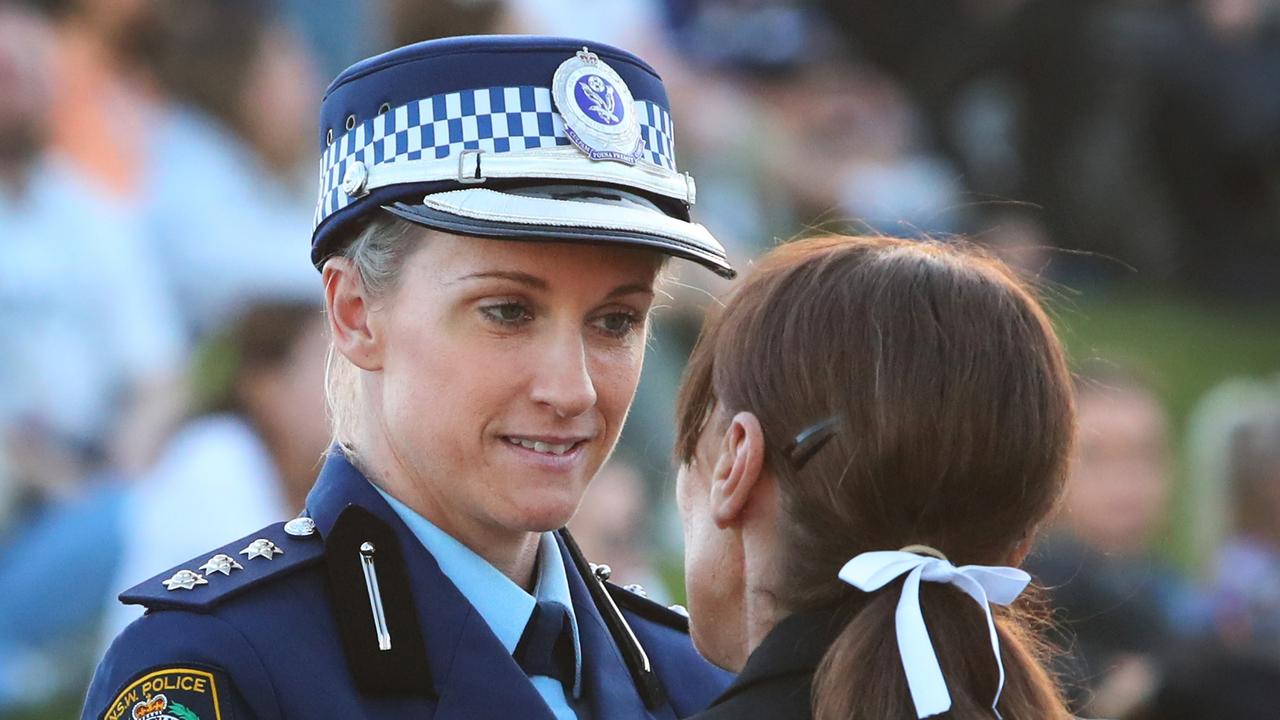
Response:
column 492, row 120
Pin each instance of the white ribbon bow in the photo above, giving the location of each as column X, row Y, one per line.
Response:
column 871, row 571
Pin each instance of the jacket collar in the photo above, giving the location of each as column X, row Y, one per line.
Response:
column 610, row 690
column 469, row 668
column 793, row 648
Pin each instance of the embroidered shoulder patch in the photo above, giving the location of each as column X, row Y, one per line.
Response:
column 169, row 693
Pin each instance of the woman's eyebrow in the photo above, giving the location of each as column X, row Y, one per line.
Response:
column 629, row 289
column 538, row 283
column 532, row 281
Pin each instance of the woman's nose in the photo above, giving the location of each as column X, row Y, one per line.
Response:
column 563, row 380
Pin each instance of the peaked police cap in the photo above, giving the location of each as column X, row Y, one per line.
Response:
column 512, row 137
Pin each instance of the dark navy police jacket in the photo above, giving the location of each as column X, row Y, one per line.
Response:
column 292, row 635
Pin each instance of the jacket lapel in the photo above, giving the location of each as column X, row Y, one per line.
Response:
column 607, row 682
column 471, row 672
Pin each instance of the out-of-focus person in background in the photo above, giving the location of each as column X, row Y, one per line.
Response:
column 1234, row 671
column 100, row 113
column 1118, row 600
column 247, row 456
column 89, row 384
column 92, row 336
column 1245, row 583
column 228, row 180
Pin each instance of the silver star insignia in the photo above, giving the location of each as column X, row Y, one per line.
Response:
column 637, row 589
column 263, row 548
column 184, row 580
column 221, row 563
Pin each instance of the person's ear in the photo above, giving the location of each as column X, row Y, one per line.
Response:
column 738, row 469
column 347, row 307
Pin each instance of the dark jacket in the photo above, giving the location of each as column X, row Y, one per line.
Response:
column 775, row 683
column 289, row 633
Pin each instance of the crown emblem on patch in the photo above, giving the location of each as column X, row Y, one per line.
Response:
column 157, row 708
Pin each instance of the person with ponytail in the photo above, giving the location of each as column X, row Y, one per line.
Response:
column 871, row 431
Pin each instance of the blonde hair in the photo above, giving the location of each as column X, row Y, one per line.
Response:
column 378, row 254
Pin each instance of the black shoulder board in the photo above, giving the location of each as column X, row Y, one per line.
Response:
column 638, row 604
column 211, row 578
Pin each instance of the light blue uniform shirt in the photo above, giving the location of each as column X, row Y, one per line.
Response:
column 504, row 605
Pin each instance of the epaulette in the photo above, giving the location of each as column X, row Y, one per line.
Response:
column 632, row 599
column 216, row 576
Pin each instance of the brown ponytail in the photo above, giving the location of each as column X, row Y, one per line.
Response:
column 956, row 425
column 861, row 676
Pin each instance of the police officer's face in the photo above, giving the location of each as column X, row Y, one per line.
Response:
column 507, row 369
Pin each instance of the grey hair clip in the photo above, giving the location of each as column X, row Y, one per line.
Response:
column 809, row 441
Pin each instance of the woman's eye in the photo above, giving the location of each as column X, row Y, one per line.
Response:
column 618, row 324
column 509, row 313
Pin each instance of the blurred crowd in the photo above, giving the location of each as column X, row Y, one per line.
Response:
column 162, row 370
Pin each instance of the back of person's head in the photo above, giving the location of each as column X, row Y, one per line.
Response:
column 955, row 427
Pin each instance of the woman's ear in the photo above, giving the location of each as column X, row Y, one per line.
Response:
column 347, row 308
column 737, row 473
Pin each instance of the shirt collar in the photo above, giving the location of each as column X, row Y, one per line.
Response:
column 504, row 605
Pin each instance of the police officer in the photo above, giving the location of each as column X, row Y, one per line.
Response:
column 493, row 213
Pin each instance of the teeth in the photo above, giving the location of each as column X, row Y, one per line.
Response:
column 541, row 447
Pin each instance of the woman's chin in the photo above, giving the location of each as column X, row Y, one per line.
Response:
column 540, row 501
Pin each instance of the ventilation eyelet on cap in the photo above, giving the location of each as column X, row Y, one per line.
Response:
column 351, row 122
column 384, row 108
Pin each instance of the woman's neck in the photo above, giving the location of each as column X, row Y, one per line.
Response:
column 762, row 613
column 760, row 606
